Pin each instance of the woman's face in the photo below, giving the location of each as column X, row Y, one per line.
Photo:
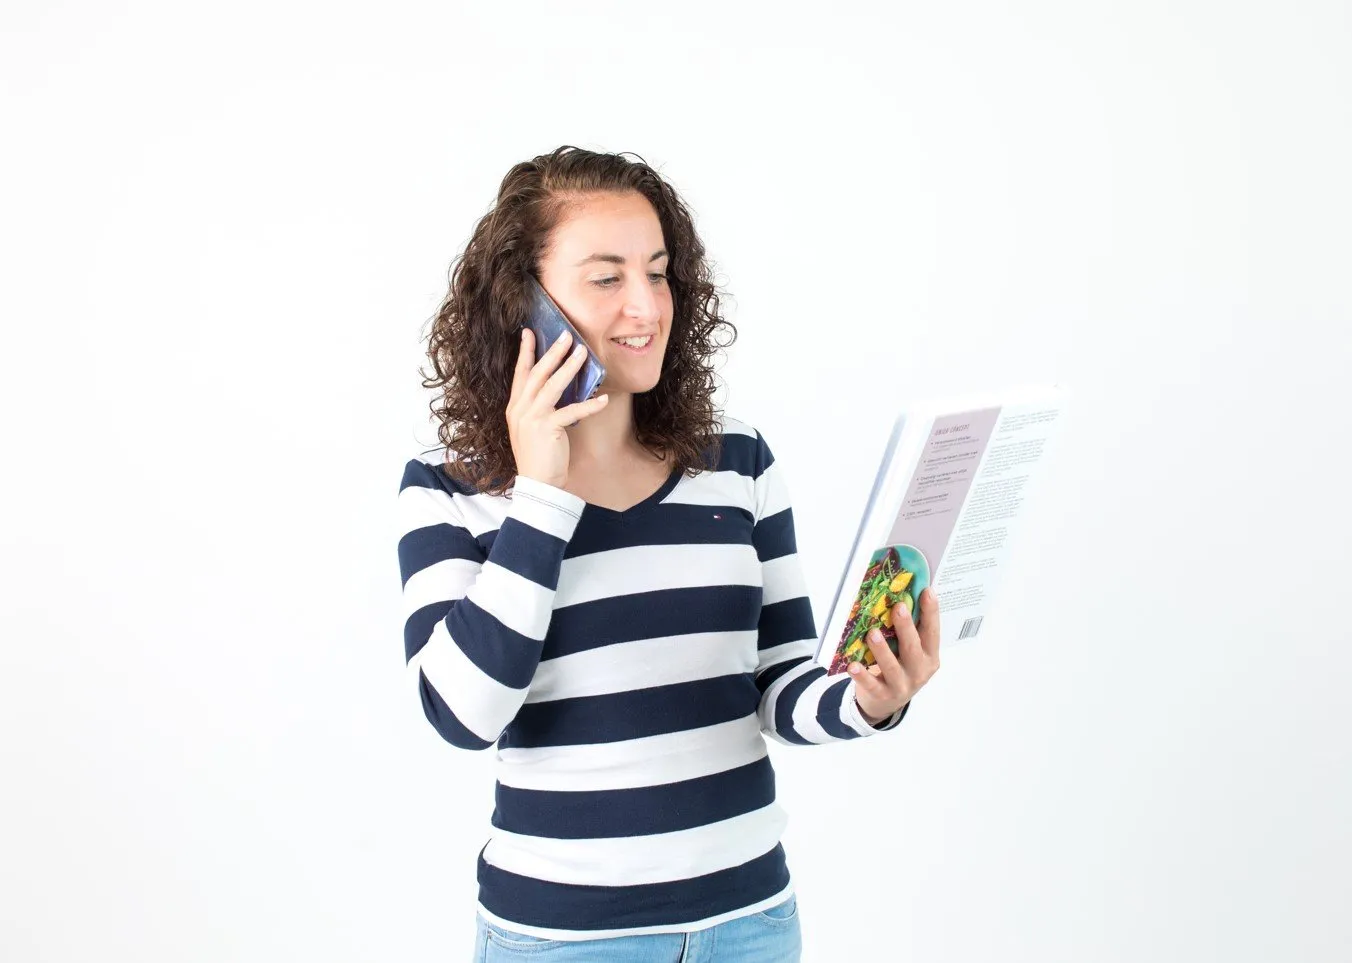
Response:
column 605, row 267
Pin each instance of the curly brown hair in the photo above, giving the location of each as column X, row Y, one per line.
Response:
column 475, row 336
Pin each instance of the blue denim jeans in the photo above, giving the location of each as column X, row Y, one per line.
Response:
column 770, row 936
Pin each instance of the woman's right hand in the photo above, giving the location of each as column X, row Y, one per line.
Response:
column 538, row 430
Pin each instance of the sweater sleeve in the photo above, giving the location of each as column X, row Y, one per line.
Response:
column 475, row 619
column 800, row 704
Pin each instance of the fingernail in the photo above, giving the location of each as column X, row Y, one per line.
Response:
column 854, row 668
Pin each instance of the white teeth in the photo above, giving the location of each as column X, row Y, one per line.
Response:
column 635, row 342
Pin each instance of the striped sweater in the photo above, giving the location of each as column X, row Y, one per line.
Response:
column 628, row 666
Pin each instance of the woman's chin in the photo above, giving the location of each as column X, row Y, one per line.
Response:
column 626, row 381
column 627, row 386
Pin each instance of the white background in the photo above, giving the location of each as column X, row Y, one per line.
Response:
column 225, row 229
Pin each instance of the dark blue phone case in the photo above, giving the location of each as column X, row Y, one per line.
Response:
column 548, row 322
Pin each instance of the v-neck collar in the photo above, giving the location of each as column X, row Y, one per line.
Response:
column 638, row 508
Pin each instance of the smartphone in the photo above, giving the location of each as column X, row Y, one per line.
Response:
column 548, row 322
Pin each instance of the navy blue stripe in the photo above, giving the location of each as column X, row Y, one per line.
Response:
column 435, row 543
column 904, row 709
column 628, row 618
column 786, row 621
column 634, row 714
column 536, row 902
column 743, row 454
column 444, row 720
column 528, row 552
column 765, row 458
column 418, row 627
column 671, row 524
column 774, row 536
column 788, row 699
column 501, row 653
column 637, row 811
column 828, row 711
column 419, row 474
column 776, row 671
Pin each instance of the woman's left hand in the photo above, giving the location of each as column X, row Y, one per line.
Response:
column 885, row 687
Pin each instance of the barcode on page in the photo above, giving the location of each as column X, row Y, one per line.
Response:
column 970, row 628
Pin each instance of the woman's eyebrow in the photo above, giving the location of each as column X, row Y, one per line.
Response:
column 614, row 258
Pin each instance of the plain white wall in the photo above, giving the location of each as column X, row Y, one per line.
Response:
column 225, row 229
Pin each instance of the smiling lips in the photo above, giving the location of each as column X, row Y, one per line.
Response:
column 638, row 345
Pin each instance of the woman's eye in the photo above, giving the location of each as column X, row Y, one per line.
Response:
column 610, row 282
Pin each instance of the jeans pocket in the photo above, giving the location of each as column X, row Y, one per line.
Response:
column 785, row 912
column 515, row 943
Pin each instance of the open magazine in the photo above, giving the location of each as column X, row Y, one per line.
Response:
column 942, row 512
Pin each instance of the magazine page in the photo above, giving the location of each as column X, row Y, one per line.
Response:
column 1014, row 452
column 944, row 505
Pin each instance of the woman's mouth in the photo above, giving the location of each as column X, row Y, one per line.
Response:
column 635, row 345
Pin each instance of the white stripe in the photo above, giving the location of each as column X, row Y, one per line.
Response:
column 783, row 579
column 545, row 507
column 851, row 716
column 720, row 488
column 805, row 710
column 635, row 860
column 651, row 662
column 771, row 697
column 653, row 568
column 436, row 458
column 542, row 507
column 514, row 600
column 650, row 761
column 481, row 513
column 419, row 507
column 783, row 653
column 443, row 581
column 479, row 701
column 772, row 494
column 732, row 426
column 684, row 927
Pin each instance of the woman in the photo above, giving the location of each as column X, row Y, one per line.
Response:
column 610, row 591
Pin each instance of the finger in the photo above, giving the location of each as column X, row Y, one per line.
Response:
column 893, row 672
column 908, row 641
column 570, row 415
column 929, row 623
column 543, row 368
column 525, row 354
column 866, row 681
column 552, row 390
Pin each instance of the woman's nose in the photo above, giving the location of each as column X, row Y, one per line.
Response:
column 641, row 300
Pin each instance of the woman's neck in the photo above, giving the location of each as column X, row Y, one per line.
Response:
column 606, row 439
